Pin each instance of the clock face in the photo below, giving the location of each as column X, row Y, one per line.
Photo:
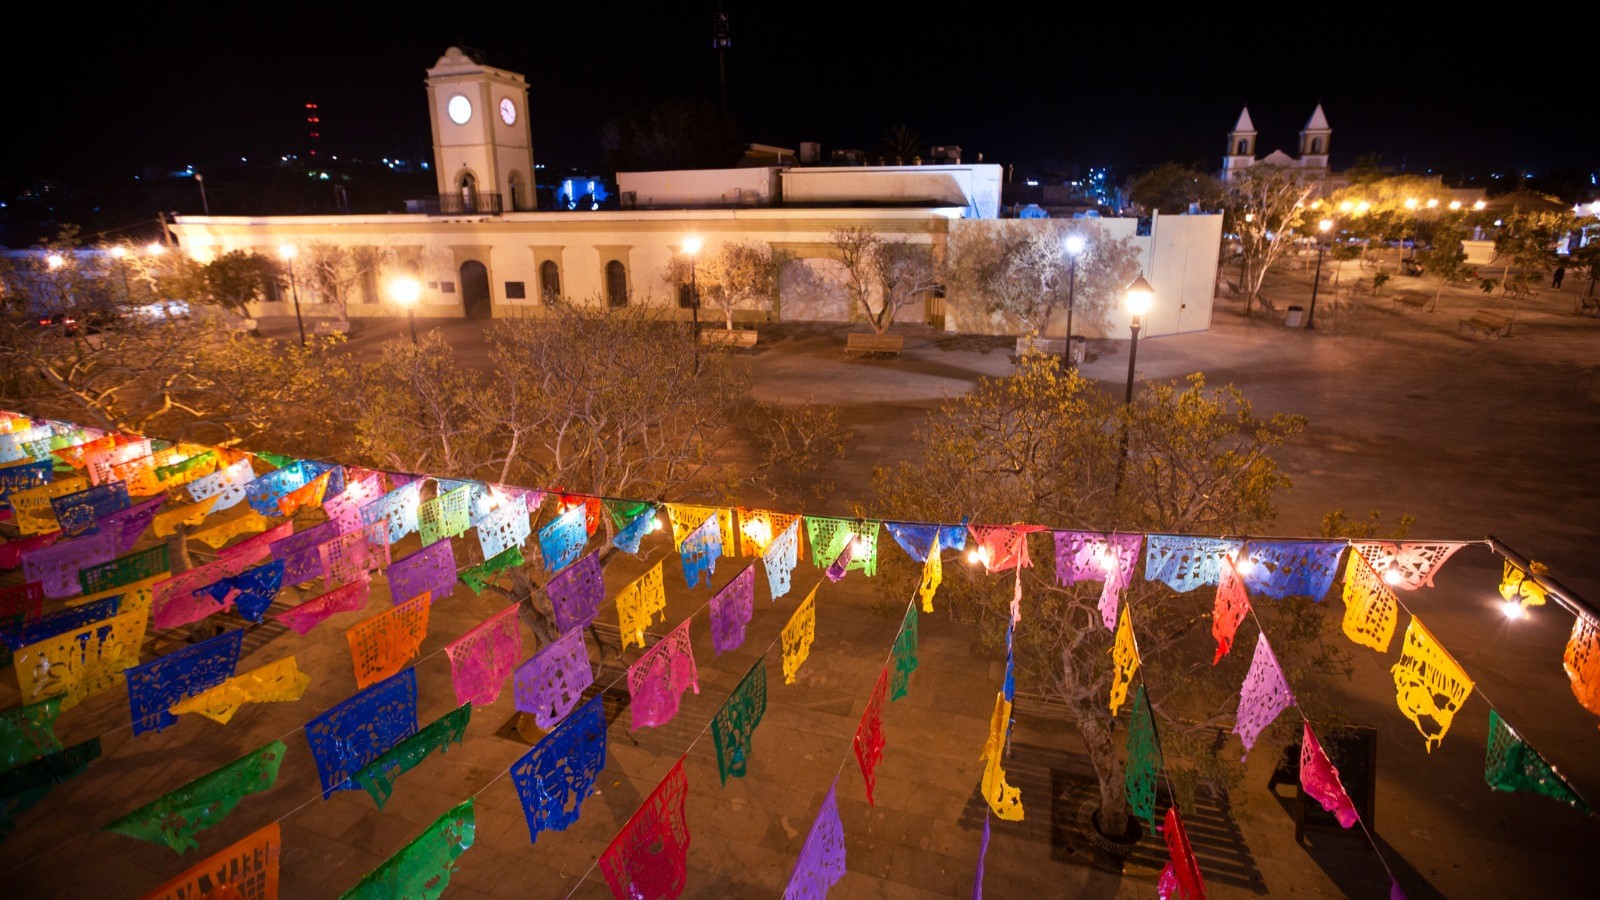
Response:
column 508, row 111
column 460, row 109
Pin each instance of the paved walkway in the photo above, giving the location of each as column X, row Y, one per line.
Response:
column 1472, row 436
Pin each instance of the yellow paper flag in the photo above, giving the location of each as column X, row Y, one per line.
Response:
column 1124, row 660
column 135, row 595
column 191, row 514
column 1005, row 800
column 932, row 575
column 1370, row 608
column 1517, row 587
column 83, row 662
column 1425, row 675
column 34, row 514
column 638, row 604
column 798, row 635
column 250, row 523
column 277, row 682
column 685, row 519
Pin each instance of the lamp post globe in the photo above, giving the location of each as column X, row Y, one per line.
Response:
column 1139, row 296
column 406, row 291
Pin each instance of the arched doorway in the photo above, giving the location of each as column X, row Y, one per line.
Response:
column 468, row 185
column 518, row 198
column 475, row 289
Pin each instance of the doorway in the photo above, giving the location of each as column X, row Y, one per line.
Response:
column 475, row 290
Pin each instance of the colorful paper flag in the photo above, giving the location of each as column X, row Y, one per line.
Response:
column 69, row 619
column 361, row 728
column 630, row 535
column 828, row 537
column 638, row 604
column 558, row 774
column 382, row 645
column 904, row 654
column 377, row 778
column 1124, row 661
column 657, row 679
column 177, row 817
column 156, row 685
column 822, row 858
column 1144, row 759
column 1581, row 660
column 504, row 528
column 251, row 592
column 431, row 571
column 1184, row 869
column 1281, row 569
column 797, row 637
column 1511, row 765
column 868, row 741
column 649, row 856
column 551, row 683
column 562, row 539
column 56, row 567
column 1429, row 683
column 734, row 725
column 423, row 867
column 1231, row 606
column 400, row 508
column 275, row 682
column 1413, row 564
column 780, row 559
column 247, row 869
column 83, row 662
column 1185, row 563
column 141, row 566
column 1371, row 609
column 700, row 550
column 478, row 577
column 1003, row 547
column 731, row 609
column 576, row 593
column 932, row 577
column 1320, row 780
column 758, row 528
column 227, row 485
column 1264, row 694
column 481, row 659
column 313, row 612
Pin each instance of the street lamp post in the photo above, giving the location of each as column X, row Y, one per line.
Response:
column 1074, row 245
column 691, row 246
column 1138, row 299
column 205, row 205
column 1324, row 227
column 287, row 253
column 406, row 290
column 118, row 253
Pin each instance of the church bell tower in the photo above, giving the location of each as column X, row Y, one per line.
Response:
column 482, row 144
column 1241, row 146
column 1314, row 141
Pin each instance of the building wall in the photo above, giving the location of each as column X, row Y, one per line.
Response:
column 754, row 186
column 975, row 187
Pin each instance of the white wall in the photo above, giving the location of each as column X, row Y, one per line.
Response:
column 974, row 187
column 755, row 186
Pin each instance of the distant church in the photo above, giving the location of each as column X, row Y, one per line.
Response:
column 1313, row 161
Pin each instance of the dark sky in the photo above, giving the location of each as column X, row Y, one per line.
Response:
column 1117, row 84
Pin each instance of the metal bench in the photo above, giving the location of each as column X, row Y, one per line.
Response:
column 1491, row 324
column 862, row 342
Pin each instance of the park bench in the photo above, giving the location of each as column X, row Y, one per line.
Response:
column 331, row 326
column 738, row 338
column 1048, row 346
column 1405, row 302
column 1268, row 307
column 862, row 342
column 1589, row 304
column 1489, row 323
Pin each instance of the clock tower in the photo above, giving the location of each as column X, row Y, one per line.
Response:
column 482, row 146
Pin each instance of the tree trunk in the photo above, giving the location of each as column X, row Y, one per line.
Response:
column 533, row 607
column 1096, row 730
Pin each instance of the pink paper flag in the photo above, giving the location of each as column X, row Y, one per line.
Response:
column 314, row 612
column 1265, row 694
column 658, row 679
column 1320, row 779
column 481, row 659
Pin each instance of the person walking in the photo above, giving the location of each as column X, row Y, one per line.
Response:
column 1561, row 272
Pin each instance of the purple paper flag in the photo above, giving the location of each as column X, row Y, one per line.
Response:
column 481, row 659
column 345, row 508
column 128, row 524
column 841, row 563
column 576, row 593
column 431, row 569
column 301, row 552
column 731, row 609
column 551, row 683
column 983, row 852
column 1265, row 694
column 821, row 863
column 55, row 566
column 657, row 680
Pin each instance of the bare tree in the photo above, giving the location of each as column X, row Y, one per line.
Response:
column 1264, row 206
column 884, row 275
column 1022, row 269
column 739, row 275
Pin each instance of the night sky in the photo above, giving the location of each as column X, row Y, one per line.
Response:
column 1120, row 85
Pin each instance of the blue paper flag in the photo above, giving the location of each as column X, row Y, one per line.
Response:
column 263, row 492
column 627, row 540
column 83, row 507
column 561, row 541
column 357, row 731
column 1281, row 569
column 155, row 686
column 256, row 589
column 23, row 477
column 558, row 774
column 913, row 539
column 1011, row 662
column 1185, row 563
column 701, row 550
column 69, row 619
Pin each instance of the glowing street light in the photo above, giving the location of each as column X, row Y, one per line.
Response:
column 1139, row 296
column 1074, row 245
column 287, row 252
column 55, row 261
column 1323, row 227
column 1455, row 204
column 155, row 248
column 406, row 291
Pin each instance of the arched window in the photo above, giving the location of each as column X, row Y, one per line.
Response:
column 549, row 281
column 616, row 283
column 1244, row 147
column 469, row 192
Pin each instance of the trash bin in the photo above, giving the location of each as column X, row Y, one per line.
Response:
column 1076, row 349
column 1293, row 315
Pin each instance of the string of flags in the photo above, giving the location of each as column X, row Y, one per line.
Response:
column 75, row 627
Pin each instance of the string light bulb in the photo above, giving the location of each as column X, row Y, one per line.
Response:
column 1392, row 576
column 1513, row 610
column 979, row 554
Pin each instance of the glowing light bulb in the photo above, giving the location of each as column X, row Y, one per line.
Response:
column 655, row 523
column 979, row 555
column 1513, row 610
column 1244, row 566
column 1392, row 575
column 1105, row 559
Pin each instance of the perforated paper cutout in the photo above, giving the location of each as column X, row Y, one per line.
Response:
column 915, row 540
column 658, row 679
column 700, row 550
column 759, row 527
column 305, row 496
column 1264, row 694
column 822, row 858
column 226, row 484
column 1281, row 569
column 1517, row 587
column 1124, row 661
column 869, row 734
column 378, row 777
column 1184, row 869
column 129, row 524
column 382, row 645
column 649, row 857
column 828, row 537
column 361, row 728
column 780, row 559
column 576, row 593
column 264, row 492
column 446, row 516
column 345, row 508
column 503, row 528
column 1581, row 660
column 638, row 605
column 275, row 682
column 83, row 662
column 1004, row 800
column 1511, row 765
column 562, row 539
column 932, row 577
column 221, row 532
column 77, row 511
column 1414, row 563
column 250, row 592
column 731, row 609
column 797, row 637
column 1231, row 606
column 176, row 817
column 551, row 683
column 28, row 733
column 191, row 515
column 355, row 555
column 1430, row 685
column 734, row 725
column 423, row 867
column 904, row 654
column 1144, row 759
column 246, row 870
column 1185, row 563
column 313, row 612
column 1092, row 556
column 686, row 518
column 1320, row 780
column 558, row 774
column 479, row 497
column 400, row 508
column 591, row 510
column 20, row 635
column 841, row 563
column 55, row 568
column 629, row 536
column 1371, row 610
column 431, row 570
column 1003, row 547
column 479, row 576
column 481, row 659
column 156, row 685
column 31, row 509
column 22, row 477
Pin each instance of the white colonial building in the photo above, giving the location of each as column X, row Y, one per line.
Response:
column 481, row 250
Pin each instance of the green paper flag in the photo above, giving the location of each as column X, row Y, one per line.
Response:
column 178, row 468
column 422, row 868
column 378, row 777
column 736, row 721
column 1144, row 759
column 625, row 511
column 26, row 785
column 124, row 570
column 905, row 654
column 275, row 460
column 477, row 577
column 27, row 733
column 1512, row 765
column 177, row 817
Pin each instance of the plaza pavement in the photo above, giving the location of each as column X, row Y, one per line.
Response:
column 1472, row 436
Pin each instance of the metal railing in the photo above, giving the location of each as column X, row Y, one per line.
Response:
column 481, row 204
